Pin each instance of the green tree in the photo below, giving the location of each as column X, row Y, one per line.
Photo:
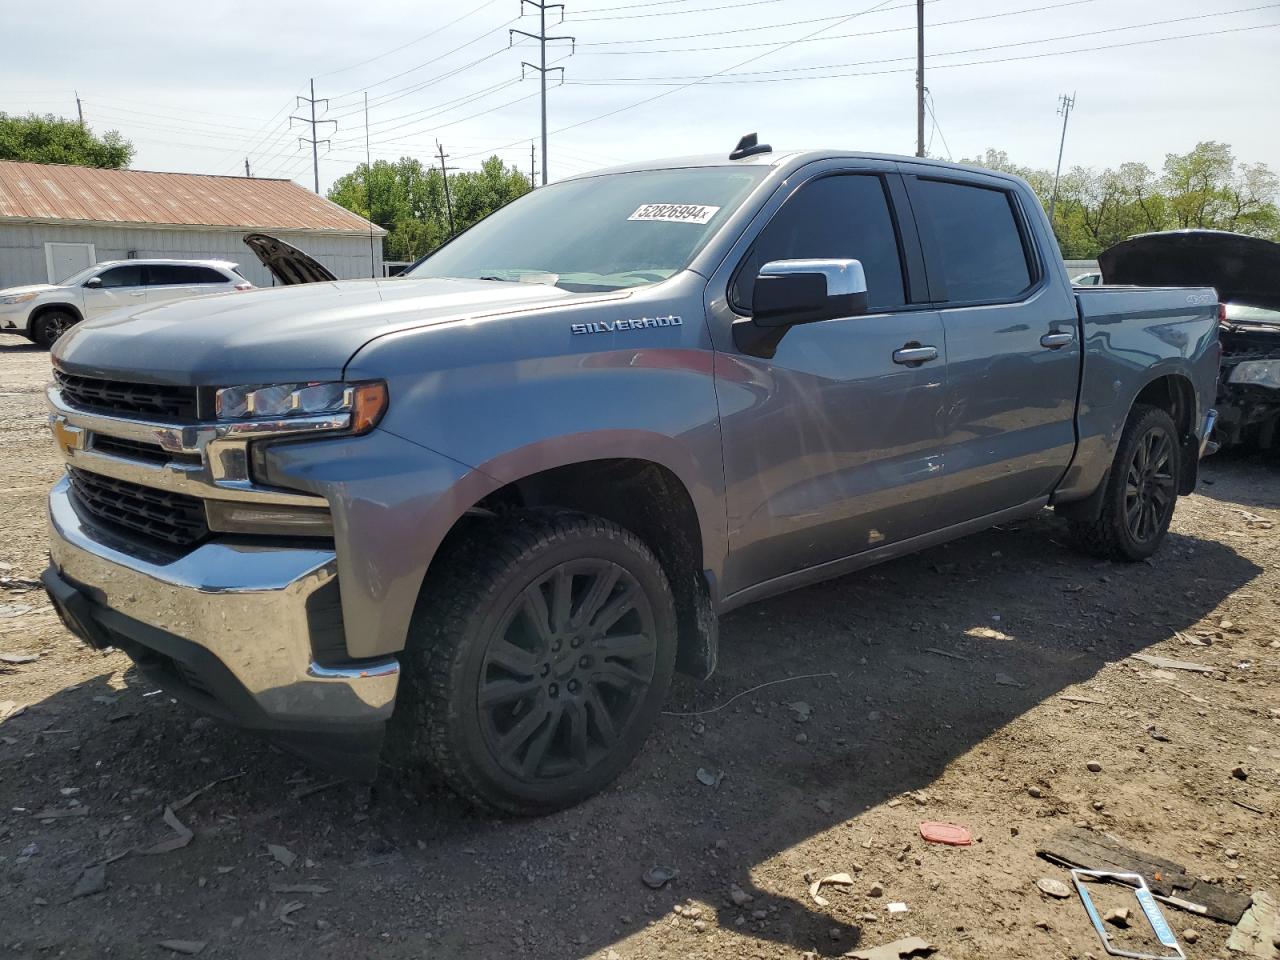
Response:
column 408, row 200
column 51, row 139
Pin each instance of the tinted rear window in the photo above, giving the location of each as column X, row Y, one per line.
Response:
column 978, row 241
column 170, row 274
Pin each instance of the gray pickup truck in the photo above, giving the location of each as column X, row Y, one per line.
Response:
column 470, row 520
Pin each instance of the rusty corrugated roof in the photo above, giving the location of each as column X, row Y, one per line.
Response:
column 54, row 192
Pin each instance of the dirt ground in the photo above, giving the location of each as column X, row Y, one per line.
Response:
column 974, row 683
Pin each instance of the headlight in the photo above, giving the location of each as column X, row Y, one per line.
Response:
column 1259, row 373
column 18, row 297
column 365, row 403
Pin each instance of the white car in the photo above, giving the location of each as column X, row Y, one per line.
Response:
column 42, row 312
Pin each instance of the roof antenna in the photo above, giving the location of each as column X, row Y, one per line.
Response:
column 749, row 146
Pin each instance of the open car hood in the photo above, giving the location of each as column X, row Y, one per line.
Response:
column 287, row 263
column 1242, row 269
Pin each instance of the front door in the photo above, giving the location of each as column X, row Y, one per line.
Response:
column 1013, row 353
column 120, row 287
column 831, row 447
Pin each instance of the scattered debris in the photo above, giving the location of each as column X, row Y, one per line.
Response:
column 801, row 710
column 173, row 843
column 313, row 888
column 10, row 610
column 9, row 709
column 1253, row 520
column 205, row 789
column 16, row 658
column 739, row 896
column 986, row 633
column 1167, row 880
column 710, row 778
column 835, row 879
column 1035, row 792
column 655, row 878
column 758, row 686
column 824, row 805
column 1120, row 917
column 303, row 792
column 1054, row 888
column 951, row 834
column 1093, row 766
column 282, row 854
column 946, row 653
column 62, row 813
column 1240, row 773
column 1165, row 663
column 1249, row 806
column 896, row 908
column 1258, row 932
column 1158, row 735
column 1072, row 698
column 92, row 880
column 1004, row 680
column 188, row 947
column 876, row 890
column 898, row 950
column 292, row 906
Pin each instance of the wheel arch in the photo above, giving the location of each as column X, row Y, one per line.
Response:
column 1176, row 395
column 45, row 308
column 644, row 496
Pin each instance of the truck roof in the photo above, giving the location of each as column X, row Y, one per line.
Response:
column 782, row 158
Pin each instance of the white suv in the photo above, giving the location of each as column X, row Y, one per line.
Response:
column 42, row 312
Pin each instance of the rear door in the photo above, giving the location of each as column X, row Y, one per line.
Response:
column 831, row 445
column 1013, row 355
column 120, row 287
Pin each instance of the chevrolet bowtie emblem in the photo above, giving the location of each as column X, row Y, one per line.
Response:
column 67, row 437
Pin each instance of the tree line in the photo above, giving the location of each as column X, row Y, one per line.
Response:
column 1207, row 187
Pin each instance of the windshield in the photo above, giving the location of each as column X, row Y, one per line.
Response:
column 1244, row 314
column 599, row 233
column 78, row 278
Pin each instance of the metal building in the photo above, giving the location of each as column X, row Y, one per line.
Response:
column 56, row 220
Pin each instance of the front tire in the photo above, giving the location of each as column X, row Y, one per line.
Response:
column 51, row 325
column 538, row 658
column 1141, row 493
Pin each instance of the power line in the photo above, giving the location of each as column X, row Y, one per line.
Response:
column 671, row 13
column 416, row 40
column 838, row 36
column 968, row 50
column 740, row 78
column 541, row 67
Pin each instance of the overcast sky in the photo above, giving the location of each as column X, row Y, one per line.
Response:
column 199, row 88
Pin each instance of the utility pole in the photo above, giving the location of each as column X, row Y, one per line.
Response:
column 79, row 108
column 444, row 172
column 541, row 36
column 1065, row 104
column 533, row 167
column 315, row 143
column 919, row 78
column 246, row 167
column 368, row 188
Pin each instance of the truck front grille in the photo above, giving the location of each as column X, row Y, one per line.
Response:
column 172, row 518
column 118, row 396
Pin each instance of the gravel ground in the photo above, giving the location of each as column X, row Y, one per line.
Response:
column 975, row 683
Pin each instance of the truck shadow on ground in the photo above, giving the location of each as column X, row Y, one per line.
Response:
column 1021, row 616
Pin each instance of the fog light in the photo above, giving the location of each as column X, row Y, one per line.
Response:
column 264, row 519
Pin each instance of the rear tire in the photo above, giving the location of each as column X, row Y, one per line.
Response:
column 1141, row 493
column 538, row 658
column 51, row 325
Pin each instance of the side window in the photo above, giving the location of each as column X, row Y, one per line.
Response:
column 839, row 217
column 122, row 277
column 977, row 238
column 172, row 274
column 208, row 275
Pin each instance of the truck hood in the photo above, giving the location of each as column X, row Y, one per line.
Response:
column 28, row 288
column 1242, row 269
column 287, row 263
column 297, row 333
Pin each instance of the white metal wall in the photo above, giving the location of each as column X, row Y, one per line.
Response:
column 22, row 257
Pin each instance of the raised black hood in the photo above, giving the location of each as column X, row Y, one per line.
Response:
column 1242, row 269
column 287, row 263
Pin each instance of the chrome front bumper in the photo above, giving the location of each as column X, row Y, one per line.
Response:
column 245, row 604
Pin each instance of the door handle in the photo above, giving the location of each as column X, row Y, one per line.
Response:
column 140, row 293
column 914, row 354
column 1059, row 338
